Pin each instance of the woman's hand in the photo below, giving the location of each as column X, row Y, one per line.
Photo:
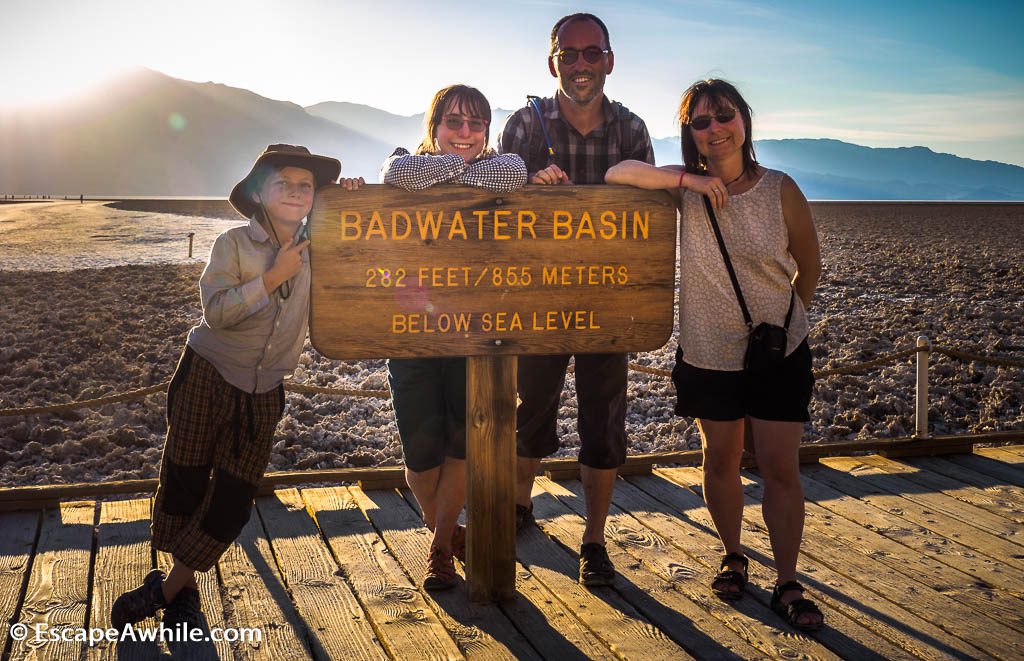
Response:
column 712, row 187
column 551, row 175
column 351, row 183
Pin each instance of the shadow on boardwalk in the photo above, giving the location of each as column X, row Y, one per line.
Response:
column 913, row 558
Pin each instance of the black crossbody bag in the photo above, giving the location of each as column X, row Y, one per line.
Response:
column 766, row 344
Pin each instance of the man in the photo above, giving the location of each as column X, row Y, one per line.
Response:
column 573, row 138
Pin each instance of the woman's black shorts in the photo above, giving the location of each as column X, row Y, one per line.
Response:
column 782, row 393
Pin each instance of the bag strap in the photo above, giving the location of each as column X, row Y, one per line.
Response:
column 728, row 262
column 732, row 272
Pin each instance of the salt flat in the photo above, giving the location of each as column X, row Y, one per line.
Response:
column 98, row 300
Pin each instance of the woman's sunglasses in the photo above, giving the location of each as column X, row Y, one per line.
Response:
column 455, row 122
column 702, row 122
column 591, row 54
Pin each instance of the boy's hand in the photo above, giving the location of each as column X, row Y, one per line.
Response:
column 351, row 183
column 286, row 264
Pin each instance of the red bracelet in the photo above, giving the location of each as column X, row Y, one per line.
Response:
column 681, row 175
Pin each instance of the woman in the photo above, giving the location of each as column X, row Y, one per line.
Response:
column 769, row 235
column 429, row 394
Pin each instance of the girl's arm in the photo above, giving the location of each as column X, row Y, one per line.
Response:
column 803, row 240
column 416, row 172
column 503, row 173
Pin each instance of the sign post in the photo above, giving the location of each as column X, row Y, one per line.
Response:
column 458, row 271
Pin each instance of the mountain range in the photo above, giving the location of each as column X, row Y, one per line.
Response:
column 147, row 133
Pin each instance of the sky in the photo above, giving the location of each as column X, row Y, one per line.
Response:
column 948, row 75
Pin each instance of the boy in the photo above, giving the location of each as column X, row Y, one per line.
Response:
column 227, row 396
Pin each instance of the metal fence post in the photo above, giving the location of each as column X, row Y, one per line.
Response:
column 921, row 399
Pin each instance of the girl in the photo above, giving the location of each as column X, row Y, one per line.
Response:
column 429, row 394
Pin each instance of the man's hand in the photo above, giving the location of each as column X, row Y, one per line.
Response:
column 286, row 264
column 551, row 175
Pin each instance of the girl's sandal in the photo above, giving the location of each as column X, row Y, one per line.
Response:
column 726, row 578
column 792, row 611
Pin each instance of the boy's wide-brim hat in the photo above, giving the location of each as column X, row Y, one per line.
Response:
column 324, row 168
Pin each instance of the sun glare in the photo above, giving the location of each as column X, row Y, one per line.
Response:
column 49, row 85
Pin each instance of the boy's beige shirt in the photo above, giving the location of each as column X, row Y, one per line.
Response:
column 254, row 340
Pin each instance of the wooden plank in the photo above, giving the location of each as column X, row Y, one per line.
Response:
column 254, row 596
column 480, row 630
column 926, row 448
column 491, row 477
column 16, row 550
column 891, row 569
column 572, row 472
column 833, row 590
column 405, row 627
column 657, row 583
column 123, row 558
column 877, row 471
column 601, row 609
column 992, row 610
column 994, row 464
column 551, row 631
column 664, row 506
column 592, row 270
column 58, row 589
column 914, row 526
column 953, row 478
column 1011, row 454
column 334, row 620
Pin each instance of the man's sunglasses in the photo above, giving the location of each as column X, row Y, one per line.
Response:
column 591, row 54
column 455, row 122
column 702, row 122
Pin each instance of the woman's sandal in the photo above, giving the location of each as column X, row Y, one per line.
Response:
column 730, row 577
column 792, row 611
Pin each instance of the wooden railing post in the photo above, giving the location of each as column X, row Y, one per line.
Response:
column 191, row 236
column 921, row 396
column 491, row 469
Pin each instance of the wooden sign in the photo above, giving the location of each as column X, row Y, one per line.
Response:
column 459, row 271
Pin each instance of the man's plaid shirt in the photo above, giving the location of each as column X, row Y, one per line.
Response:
column 584, row 158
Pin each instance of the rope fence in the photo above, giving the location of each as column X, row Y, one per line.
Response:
column 923, row 347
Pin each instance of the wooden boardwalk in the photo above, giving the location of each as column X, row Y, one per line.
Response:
column 909, row 558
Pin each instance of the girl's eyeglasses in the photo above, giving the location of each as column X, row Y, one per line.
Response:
column 455, row 122
column 702, row 122
column 591, row 54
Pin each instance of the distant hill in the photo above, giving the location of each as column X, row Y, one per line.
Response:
column 150, row 134
column 834, row 170
column 399, row 130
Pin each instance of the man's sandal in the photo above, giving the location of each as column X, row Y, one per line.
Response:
column 792, row 611
column 727, row 578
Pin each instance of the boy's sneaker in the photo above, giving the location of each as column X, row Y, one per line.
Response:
column 185, row 607
column 459, row 543
column 524, row 517
column 596, row 567
column 440, row 573
column 138, row 604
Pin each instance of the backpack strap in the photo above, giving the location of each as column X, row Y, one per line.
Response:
column 626, row 137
